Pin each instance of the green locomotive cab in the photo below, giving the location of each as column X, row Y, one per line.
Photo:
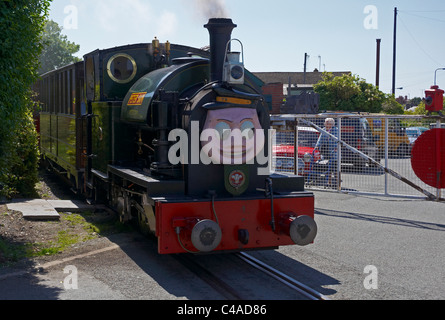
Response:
column 184, row 76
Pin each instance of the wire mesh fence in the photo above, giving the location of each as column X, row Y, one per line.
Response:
column 359, row 153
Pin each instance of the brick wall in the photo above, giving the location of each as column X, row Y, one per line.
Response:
column 275, row 90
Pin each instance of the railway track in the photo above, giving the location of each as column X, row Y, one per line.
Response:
column 210, row 278
column 232, row 292
column 283, row 278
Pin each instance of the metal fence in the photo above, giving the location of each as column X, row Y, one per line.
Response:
column 367, row 154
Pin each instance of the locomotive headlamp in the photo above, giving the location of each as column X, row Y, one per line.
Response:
column 233, row 66
column 237, row 73
column 206, row 235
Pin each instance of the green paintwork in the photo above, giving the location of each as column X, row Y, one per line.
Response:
column 116, row 91
column 45, row 132
column 110, row 139
column 101, row 135
column 107, row 89
column 58, row 140
column 66, row 143
column 175, row 78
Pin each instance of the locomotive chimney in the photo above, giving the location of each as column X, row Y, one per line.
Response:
column 220, row 34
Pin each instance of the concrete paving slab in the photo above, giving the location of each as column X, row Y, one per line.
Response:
column 34, row 209
column 70, row 205
column 47, row 209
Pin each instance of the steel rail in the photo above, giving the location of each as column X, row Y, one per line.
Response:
column 211, row 279
column 283, row 278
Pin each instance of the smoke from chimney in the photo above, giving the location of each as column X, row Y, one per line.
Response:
column 212, row 8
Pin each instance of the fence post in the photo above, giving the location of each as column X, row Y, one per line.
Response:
column 438, row 159
column 296, row 146
column 386, row 153
column 339, row 160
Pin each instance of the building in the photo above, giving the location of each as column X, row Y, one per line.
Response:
column 302, row 86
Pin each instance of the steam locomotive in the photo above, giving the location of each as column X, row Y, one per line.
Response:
column 174, row 138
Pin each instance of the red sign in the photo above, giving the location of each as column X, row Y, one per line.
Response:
column 428, row 158
column 136, row 99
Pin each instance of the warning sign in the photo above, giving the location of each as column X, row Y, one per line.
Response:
column 136, row 99
column 428, row 158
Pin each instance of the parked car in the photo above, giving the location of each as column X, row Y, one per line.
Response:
column 398, row 142
column 415, row 132
column 285, row 154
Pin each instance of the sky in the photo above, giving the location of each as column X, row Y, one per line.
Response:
column 338, row 35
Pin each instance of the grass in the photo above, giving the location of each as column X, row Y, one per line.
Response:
column 74, row 229
column 67, row 238
column 14, row 252
column 64, row 240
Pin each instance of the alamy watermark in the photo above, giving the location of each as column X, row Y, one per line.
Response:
column 71, row 21
column 371, row 281
column 71, row 281
column 371, row 21
column 224, row 146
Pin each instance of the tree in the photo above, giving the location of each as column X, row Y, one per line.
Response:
column 421, row 110
column 349, row 93
column 391, row 106
column 21, row 26
column 416, row 101
column 57, row 50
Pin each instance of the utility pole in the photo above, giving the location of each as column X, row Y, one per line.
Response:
column 394, row 54
column 377, row 77
column 305, row 67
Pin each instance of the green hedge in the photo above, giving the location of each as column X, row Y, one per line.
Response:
column 21, row 26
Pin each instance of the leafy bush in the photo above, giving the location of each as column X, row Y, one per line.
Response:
column 21, row 26
column 391, row 106
column 353, row 94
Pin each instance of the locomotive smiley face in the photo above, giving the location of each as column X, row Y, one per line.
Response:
column 232, row 136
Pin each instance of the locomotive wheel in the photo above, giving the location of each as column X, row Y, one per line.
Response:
column 143, row 222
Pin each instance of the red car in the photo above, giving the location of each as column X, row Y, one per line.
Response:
column 285, row 155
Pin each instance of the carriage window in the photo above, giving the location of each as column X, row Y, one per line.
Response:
column 121, row 68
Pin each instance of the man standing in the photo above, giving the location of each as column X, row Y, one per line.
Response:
column 328, row 148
